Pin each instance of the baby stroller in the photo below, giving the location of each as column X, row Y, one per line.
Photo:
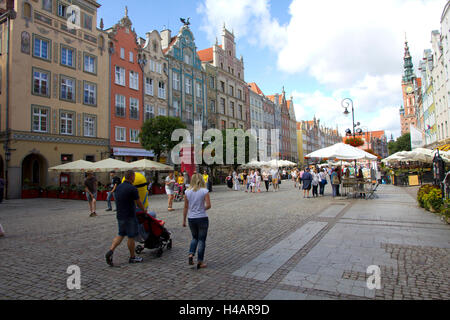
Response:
column 178, row 192
column 153, row 234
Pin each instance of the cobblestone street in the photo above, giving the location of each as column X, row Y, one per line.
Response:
column 260, row 246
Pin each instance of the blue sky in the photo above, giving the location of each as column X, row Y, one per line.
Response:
column 320, row 51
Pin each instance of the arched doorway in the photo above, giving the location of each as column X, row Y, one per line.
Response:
column 34, row 170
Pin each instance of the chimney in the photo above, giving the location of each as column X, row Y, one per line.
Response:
column 165, row 38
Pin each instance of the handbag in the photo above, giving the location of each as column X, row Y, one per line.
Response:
column 324, row 182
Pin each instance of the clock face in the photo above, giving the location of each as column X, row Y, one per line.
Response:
column 409, row 90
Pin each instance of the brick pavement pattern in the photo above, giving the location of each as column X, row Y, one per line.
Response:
column 337, row 240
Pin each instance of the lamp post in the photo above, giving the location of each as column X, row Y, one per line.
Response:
column 347, row 103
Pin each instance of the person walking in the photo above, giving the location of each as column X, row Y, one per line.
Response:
column 127, row 197
column 90, row 185
column 360, row 179
column 339, row 174
column 196, row 203
column 334, row 182
column 170, row 185
column 275, row 174
column 236, row 182
column 258, row 181
column 323, row 181
column 115, row 181
column 229, row 180
column 186, row 179
column 265, row 177
column 307, row 182
column 315, row 183
column 2, row 189
column 294, row 177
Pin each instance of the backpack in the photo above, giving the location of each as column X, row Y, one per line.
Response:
column 335, row 179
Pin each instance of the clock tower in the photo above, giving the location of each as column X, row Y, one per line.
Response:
column 410, row 86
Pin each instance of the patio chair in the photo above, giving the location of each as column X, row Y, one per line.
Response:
column 372, row 192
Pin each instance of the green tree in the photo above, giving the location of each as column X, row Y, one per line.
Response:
column 156, row 134
column 403, row 143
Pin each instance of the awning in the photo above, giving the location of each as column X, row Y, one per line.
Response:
column 132, row 152
column 445, row 147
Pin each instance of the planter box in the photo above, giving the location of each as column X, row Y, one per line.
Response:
column 64, row 195
column 81, row 196
column 73, row 195
column 158, row 190
column 101, row 195
column 30, row 194
column 53, row 194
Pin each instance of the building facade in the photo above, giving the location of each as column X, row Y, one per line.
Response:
column 232, row 104
column 257, row 116
column 186, row 89
column 411, row 87
column 60, row 113
column 292, row 131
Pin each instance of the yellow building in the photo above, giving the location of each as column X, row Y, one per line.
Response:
column 54, row 100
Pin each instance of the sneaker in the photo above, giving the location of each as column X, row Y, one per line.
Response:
column 92, row 214
column 109, row 256
column 108, row 210
column 135, row 260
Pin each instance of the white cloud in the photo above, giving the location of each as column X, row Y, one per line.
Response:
column 352, row 48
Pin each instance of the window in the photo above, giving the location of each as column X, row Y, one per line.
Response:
column 149, row 86
column 162, row 90
column 41, row 48
column 122, row 53
column 231, row 91
column 176, row 108
column 47, row 5
column 90, row 93
column 62, row 10
column 120, row 105
column 89, row 126
column 187, row 59
column 90, row 63
column 67, row 57
column 188, row 111
column 40, row 119
column 134, row 108
column 121, row 134
column 198, row 89
column 224, row 124
column 211, row 82
column 87, row 21
column 120, row 76
column 222, row 86
column 149, row 112
column 222, row 105
column 240, row 111
column 176, row 81
column 239, row 94
column 134, row 135
column 134, row 80
column 66, row 123
column 162, row 112
column 131, row 57
column 188, row 85
column 212, row 106
column 41, row 83
column 67, row 89
column 232, row 109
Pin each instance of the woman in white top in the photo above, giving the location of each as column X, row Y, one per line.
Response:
column 170, row 185
column 196, row 203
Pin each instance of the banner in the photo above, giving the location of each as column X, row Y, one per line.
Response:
column 416, row 138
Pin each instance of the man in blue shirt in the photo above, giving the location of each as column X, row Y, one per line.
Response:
column 127, row 197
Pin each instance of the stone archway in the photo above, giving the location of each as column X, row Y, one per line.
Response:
column 34, row 170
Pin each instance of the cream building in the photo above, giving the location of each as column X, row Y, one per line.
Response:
column 54, row 101
column 154, row 73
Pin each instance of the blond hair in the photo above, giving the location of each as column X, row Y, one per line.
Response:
column 197, row 182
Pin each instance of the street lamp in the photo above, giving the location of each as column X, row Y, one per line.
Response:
column 346, row 104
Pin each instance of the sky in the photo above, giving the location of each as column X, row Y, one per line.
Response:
column 320, row 51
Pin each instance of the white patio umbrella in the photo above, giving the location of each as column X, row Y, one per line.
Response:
column 149, row 165
column 341, row 151
column 75, row 166
column 109, row 164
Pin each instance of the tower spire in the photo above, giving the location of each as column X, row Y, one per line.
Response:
column 408, row 67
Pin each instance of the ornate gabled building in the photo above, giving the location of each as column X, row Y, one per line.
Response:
column 186, row 88
column 227, row 74
column 411, row 88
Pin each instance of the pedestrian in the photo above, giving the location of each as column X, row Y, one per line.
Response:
column 90, row 185
column 170, row 185
column 258, row 181
column 334, row 182
column 339, row 174
column 315, row 183
column 208, row 181
column 360, row 179
column 252, row 178
column 127, row 197
column 186, row 179
column 229, row 180
column 2, row 189
column 307, row 182
column 323, row 181
column 265, row 177
column 115, row 181
column 294, row 177
column 275, row 175
column 196, row 203
column 236, row 182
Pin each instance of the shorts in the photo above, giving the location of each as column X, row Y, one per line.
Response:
column 128, row 227
column 88, row 196
column 275, row 181
column 169, row 191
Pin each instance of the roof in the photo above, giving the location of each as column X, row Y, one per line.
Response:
column 172, row 42
column 206, row 55
column 254, row 87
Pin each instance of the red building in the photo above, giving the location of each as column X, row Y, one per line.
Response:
column 126, row 95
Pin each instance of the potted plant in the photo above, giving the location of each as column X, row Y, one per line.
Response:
column 53, row 192
column 81, row 195
column 29, row 191
column 101, row 193
column 73, row 193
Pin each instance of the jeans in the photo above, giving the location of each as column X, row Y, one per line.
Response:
column 314, row 192
column 334, row 186
column 199, row 230
column 108, row 199
column 322, row 189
